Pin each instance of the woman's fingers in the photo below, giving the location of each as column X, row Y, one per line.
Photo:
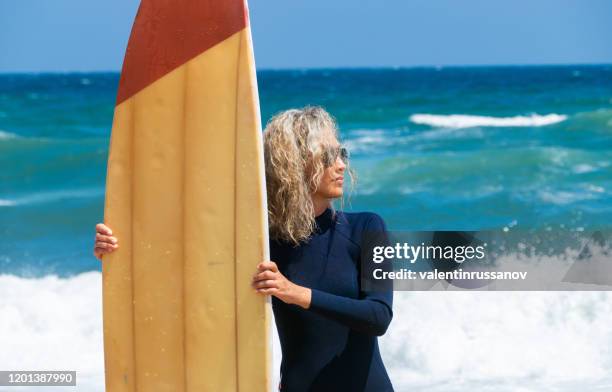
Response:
column 105, row 242
column 267, row 274
column 106, row 245
column 267, row 278
column 103, row 248
column 267, row 265
column 268, row 283
column 270, row 291
column 106, row 238
column 103, row 229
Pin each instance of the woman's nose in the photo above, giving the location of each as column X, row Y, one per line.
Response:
column 340, row 165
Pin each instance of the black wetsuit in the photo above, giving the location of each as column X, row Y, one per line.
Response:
column 333, row 345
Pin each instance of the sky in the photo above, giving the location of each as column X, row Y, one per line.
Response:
column 88, row 35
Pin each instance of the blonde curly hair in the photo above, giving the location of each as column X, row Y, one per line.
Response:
column 295, row 141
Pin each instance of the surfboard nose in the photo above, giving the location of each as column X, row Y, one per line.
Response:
column 166, row 34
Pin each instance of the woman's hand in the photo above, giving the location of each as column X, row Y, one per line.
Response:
column 269, row 280
column 105, row 242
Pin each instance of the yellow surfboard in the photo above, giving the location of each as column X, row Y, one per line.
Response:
column 185, row 196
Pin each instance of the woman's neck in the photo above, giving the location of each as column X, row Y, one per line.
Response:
column 320, row 205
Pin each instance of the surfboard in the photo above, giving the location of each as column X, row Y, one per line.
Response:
column 185, row 196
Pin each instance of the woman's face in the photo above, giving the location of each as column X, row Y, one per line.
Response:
column 330, row 186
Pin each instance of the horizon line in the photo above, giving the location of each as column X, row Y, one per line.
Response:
column 340, row 68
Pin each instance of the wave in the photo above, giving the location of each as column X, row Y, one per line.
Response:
column 379, row 140
column 7, row 135
column 448, row 133
column 466, row 120
column 52, row 323
column 438, row 338
column 368, row 140
column 432, row 342
column 595, row 120
column 561, row 197
column 51, row 196
column 7, row 203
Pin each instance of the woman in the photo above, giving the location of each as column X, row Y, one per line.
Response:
column 327, row 322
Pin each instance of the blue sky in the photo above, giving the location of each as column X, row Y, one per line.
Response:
column 86, row 35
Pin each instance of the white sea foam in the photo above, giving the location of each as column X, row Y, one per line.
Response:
column 364, row 141
column 583, row 168
column 438, row 341
column 52, row 323
column 560, row 197
column 447, row 133
column 466, row 120
column 51, row 196
column 595, row 188
column 367, row 132
column 7, row 135
column 411, row 189
column 482, row 191
column 378, row 140
column 459, row 341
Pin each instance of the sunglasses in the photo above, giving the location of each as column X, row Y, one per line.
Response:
column 331, row 154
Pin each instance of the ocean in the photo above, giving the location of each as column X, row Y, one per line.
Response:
column 440, row 148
